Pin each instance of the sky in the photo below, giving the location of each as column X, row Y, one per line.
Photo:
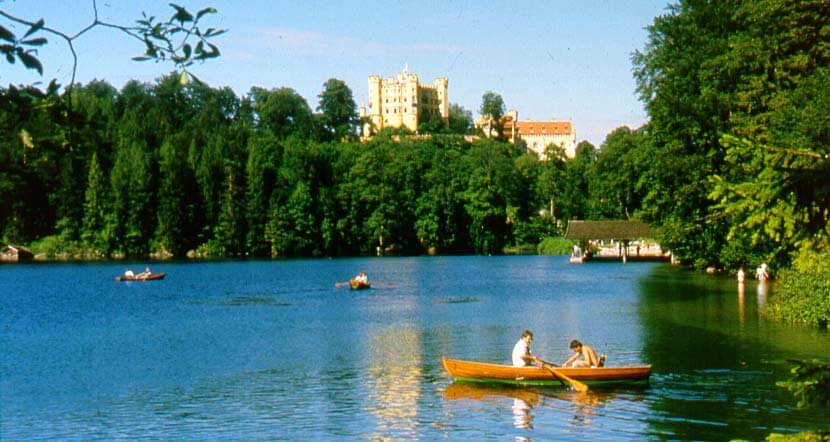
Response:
column 547, row 59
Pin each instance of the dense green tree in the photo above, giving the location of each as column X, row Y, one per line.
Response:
column 432, row 123
column 618, row 184
column 34, row 143
column 710, row 69
column 460, row 120
column 491, row 190
column 283, row 112
column 441, row 219
column 577, row 202
column 339, row 111
column 492, row 108
column 93, row 232
column 229, row 232
column 131, row 223
column 686, row 94
column 262, row 169
column 784, row 197
column 552, row 180
column 178, row 217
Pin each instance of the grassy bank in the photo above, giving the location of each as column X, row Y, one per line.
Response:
column 555, row 246
column 802, row 294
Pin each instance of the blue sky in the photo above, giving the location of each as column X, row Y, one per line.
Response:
column 547, row 59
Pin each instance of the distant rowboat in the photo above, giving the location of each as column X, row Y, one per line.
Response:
column 150, row 277
column 471, row 371
column 359, row 285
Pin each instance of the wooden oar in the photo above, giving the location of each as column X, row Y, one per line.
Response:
column 576, row 385
column 341, row 284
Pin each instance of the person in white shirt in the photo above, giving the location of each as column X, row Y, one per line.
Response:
column 521, row 351
column 761, row 273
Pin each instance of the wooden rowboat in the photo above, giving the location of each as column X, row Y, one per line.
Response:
column 358, row 285
column 470, row 371
column 150, row 277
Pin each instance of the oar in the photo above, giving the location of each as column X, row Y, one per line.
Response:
column 341, row 284
column 576, row 385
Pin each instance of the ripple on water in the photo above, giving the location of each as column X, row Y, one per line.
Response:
column 241, row 300
column 457, row 300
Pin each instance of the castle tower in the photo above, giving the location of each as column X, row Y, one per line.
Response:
column 401, row 101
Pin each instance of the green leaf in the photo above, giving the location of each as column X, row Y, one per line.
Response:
column 35, row 42
column 205, row 11
column 141, row 58
column 35, row 27
column 5, row 34
column 10, row 57
column 30, row 61
column 181, row 14
column 187, row 50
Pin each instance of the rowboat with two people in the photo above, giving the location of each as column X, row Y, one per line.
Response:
column 359, row 285
column 359, row 282
column 544, row 376
column 146, row 275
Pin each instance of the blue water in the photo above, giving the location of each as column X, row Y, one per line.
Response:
column 273, row 350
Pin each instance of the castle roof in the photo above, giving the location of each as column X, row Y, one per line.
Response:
column 535, row 127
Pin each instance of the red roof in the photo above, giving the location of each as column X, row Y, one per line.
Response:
column 530, row 127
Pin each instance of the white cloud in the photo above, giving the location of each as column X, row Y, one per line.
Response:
column 291, row 41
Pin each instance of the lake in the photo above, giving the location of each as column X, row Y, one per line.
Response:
column 273, row 350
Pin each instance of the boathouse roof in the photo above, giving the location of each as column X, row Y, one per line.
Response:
column 14, row 253
column 619, row 230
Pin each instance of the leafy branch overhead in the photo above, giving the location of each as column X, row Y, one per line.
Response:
column 809, row 383
column 172, row 39
column 180, row 39
column 22, row 48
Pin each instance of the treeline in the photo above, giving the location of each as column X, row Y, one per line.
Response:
column 174, row 168
column 731, row 167
column 736, row 158
column 736, row 164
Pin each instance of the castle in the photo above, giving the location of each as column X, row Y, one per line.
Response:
column 536, row 134
column 401, row 101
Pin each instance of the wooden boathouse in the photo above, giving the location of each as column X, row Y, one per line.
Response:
column 12, row 253
column 616, row 239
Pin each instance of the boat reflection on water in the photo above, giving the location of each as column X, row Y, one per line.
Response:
column 525, row 399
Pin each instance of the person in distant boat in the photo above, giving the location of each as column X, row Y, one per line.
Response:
column 521, row 351
column 362, row 278
column 589, row 356
column 129, row 274
column 144, row 274
column 761, row 272
column 741, row 275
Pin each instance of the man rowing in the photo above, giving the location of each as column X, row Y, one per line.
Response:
column 521, row 351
